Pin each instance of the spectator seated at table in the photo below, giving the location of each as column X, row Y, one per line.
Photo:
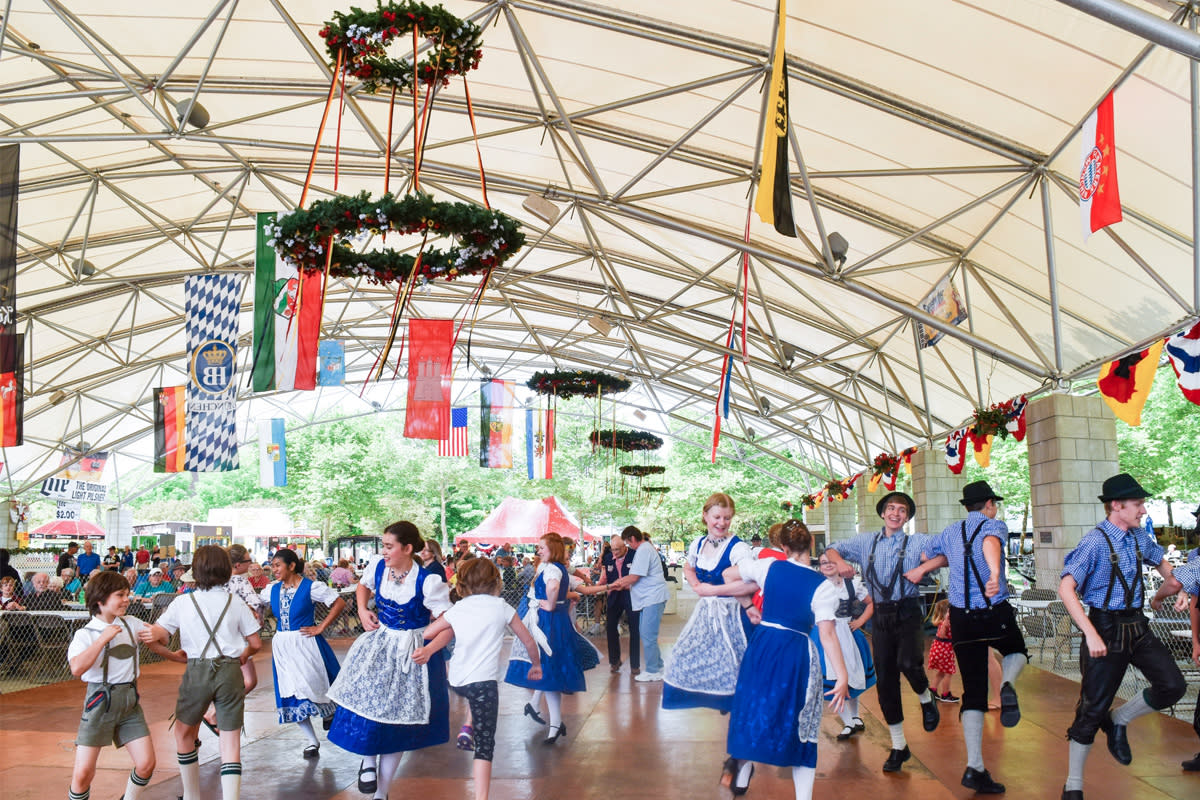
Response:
column 258, row 578
column 9, row 600
column 71, row 584
column 155, row 585
column 175, row 576
column 44, row 597
column 341, row 577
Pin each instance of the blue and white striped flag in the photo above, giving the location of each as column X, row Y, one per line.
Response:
column 272, row 454
column 211, row 307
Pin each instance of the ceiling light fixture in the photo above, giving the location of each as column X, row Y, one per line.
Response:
column 84, row 268
column 600, row 325
column 58, row 396
column 641, row 417
column 197, row 117
column 541, row 208
column 838, row 248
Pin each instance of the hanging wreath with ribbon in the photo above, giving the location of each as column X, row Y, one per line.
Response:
column 656, row 489
column 641, row 470
column 625, row 440
column 566, row 384
column 358, row 42
column 838, row 490
column 484, row 238
column 809, row 501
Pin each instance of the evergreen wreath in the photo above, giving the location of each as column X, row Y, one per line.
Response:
column 362, row 37
column 485, row 238
column 656, row 489
column 568, row 383
column 808, row 501
column 992, row 420
column 641, row 471
column 627, row 441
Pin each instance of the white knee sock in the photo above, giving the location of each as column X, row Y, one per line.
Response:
column 1011, row 666
column 535, row 699
column 846, row 715
column 388, row 764
column 554, row 707
column 231, row 780
column 135, row 785
column 803, row 778
column 852, row 704
column 1077, row 754
column 897, row 732
column 972, row 725
column 1135, row 708
column 306, row 726
column 743, row 773
column 925, row 696
column 189, row 773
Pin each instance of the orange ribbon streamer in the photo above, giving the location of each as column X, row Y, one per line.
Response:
column 312, row 162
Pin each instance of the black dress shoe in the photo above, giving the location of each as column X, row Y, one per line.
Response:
column 737, row 789
column 1192, row 764
column 930, row 716
column 327, row 722
column 980, row 782
column 1010, row 711
column 312, row 751
column 1118, row 741
column 532, row 713
column 555, row 733
column 364, row 786
column 1073, row 794
column 895, row 759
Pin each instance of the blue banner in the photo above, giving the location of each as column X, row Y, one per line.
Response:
column 331, row 358
column 211, row 306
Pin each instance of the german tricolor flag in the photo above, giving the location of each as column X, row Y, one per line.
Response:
column 169, row 428
column 1125, row 383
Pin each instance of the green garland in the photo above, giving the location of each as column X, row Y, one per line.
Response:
column 485, row 238
column 656, row 489
column 627, row 441
column 362, row 38
column 566, row 384
column 641, row 471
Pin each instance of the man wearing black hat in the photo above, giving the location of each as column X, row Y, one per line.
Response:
column 885, row 557
column 1115, row 629
column 980, row 619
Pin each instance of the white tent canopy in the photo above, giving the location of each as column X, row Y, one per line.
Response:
column 939, row 139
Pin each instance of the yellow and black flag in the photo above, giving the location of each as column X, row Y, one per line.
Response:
column 773, row 202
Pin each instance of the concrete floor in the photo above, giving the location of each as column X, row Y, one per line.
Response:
column 621, row 744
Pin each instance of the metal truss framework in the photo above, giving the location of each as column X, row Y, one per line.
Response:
column 120, row 199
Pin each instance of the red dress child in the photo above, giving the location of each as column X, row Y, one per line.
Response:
column 941, row 652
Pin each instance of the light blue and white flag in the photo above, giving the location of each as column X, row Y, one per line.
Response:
column 331, row 360
column 272, row 454
column 211, row 306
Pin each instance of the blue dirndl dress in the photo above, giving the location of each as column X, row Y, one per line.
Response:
column 303, row 666
column 386, row 702
column 703, row 666
column 776, row 714
column 561, row 666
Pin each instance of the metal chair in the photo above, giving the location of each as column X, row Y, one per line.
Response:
column 1038, row 624
column 21, row 644
column 1067, row 637
column 53, row 637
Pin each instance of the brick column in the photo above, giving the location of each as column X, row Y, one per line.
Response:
column 936, row 491
column 1072, row 449
column 868, row 520
column 841, row 518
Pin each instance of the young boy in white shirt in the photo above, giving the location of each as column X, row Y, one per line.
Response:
column 104, row 653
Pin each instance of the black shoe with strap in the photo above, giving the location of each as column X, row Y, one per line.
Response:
column 980, row 782
column 1010, row 710
column 895, row 759
column 930, row 716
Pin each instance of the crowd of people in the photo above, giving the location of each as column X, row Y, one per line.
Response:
column 776, row 638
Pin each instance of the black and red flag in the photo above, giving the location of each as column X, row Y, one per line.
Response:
column 11, row 343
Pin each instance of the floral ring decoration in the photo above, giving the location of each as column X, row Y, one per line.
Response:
column 641, row 471
column 628, row 441
column 566, row 384
column 361, row 38
column 485, row 239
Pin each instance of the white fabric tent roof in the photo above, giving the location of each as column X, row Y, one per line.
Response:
column 938, row 138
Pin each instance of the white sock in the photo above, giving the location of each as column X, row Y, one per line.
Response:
column 743, row 774
column 847, row 716
column 897, row 732
column 803, row 778
column 972, row 725
column 231, row 780
column 852, row 704
column 307, row 726
column 925, row 696
column 189, row 773
column 535, row 699
column 1135, row 708
column 1011, row 666
column 135, row 785
column 1077, row 754
column 371, row 763
column 388, row 764
column 554, row 707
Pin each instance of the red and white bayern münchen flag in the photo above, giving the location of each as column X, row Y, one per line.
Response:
column 1099, row 200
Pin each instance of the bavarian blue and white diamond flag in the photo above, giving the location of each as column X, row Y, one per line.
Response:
column 211, row 304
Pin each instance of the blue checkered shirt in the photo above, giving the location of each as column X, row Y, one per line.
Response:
column 887, row 552
column 1091, row 566
column 1189, row 575
column 950, row 544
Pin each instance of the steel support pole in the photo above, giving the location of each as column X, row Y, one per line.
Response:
column 1194, row 82
column 1142, row 23
column 1052, row 275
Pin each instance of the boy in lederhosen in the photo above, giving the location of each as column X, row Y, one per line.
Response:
column 898, row 640
column 219, row 633
column 1106, row 569
column 980, row 619
column 104, row 653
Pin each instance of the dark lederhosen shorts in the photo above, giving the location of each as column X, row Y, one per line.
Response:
column 111, row 715
column 212, row 680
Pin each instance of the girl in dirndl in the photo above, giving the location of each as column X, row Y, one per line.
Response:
column 856, row 652
column 388, row 703
column 302, row 661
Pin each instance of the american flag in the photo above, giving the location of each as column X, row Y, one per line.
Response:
column 454, row 441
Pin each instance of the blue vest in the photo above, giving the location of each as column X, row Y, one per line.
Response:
column 300, row 613
column 410, row 615
column 716, row 576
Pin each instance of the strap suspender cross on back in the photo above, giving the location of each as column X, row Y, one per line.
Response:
column 969, row 565
column 212, row 632
column 1116, row 574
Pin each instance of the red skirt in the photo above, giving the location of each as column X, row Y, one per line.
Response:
column 941, row 657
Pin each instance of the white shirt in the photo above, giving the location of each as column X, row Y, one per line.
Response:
column 238, row 623
column 437, row 593
column 651, row 587
column 711, row 556
column 825, row 598
column 479, row 622
column 120, row 670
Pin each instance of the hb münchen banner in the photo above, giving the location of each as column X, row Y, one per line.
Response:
column 211, row 305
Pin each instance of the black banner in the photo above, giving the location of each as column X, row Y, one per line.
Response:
column 8, row 241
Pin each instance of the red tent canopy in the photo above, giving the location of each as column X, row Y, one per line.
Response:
column 525, row 521
column 67, row 529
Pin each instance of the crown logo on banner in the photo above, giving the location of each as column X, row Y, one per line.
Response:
column 215, row 354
